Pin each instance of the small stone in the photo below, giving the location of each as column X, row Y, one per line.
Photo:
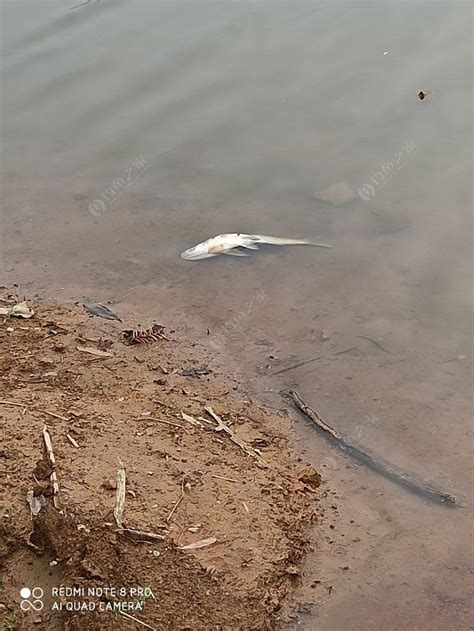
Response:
column 293, row 570
column 310, row 476
column 110, row 484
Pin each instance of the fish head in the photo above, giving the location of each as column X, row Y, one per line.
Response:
column 199, row 251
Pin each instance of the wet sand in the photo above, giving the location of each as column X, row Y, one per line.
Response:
column 291, row 122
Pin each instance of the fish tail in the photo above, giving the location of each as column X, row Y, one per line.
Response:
column 261, row 238
column 319, row 245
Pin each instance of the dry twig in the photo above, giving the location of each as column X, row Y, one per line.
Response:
column 127, row 615
column 178, row 501
column 72, row 441
column 160, row 420
column 191, row 420
column 94, row 351
column 143, row 534
column 120, row 506
column 53, row 477
column 221, row 477
column 221, row 426
column 26, row 405
column 20, row 405
column 120, row 495
column 53, row 414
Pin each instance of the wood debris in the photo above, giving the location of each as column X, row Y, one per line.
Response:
column 178, row 501
column 127, row 615
column 120, row 495
column 222, row 427
column 120, row 506
column 191, row 420
column 53, row 477
column 194, row 372
column 374, row 342
column 93, row 351
column 404, row 480
column 73, row 442
column 221, row 477
column 160, row 420
column 20, row 405
column 143, row 534
column 203, row 543
column 20, row 310
column 147, row 336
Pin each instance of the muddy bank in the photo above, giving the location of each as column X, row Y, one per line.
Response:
column 228, row 510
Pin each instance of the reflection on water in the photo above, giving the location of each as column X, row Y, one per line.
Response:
column 131, row 131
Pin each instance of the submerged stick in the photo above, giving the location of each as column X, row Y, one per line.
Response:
column 375, row 463
column 314, row 359
column 308, row 361
column 369, row 339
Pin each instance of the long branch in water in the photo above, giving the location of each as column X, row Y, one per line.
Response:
column 405, row 480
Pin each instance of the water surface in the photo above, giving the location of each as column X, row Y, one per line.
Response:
column 132, row 130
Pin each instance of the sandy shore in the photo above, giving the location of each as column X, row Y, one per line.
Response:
column 240, row 492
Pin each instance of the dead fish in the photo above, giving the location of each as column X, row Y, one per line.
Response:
column 229, row 244
column 99, row 310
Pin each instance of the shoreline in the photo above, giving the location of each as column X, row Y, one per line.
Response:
column 234, row 505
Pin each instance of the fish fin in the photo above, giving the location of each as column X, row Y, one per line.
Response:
column 236, row 253
column 250, row 246
column 199, row 258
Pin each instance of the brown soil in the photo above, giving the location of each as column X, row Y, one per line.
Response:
column 109, row 406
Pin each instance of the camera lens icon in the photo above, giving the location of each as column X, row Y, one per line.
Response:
column 32, row 599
